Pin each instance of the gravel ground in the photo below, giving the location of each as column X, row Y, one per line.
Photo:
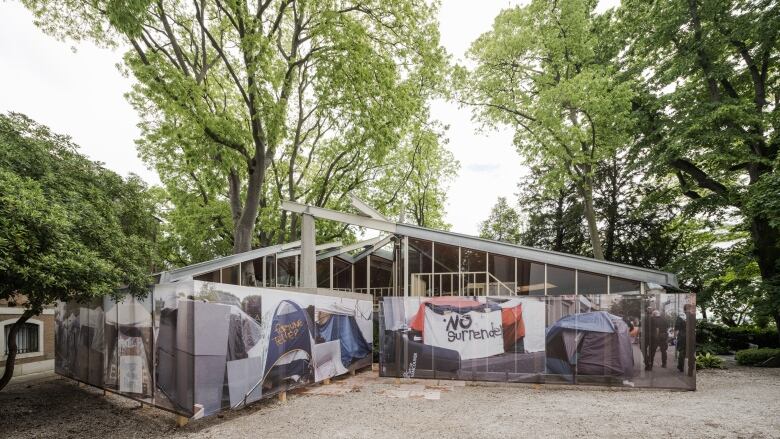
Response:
column 738, row 402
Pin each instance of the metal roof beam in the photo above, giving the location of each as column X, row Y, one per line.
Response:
column 349, row 248
column 320, row 247
column 345, row 218
column 527, row 253
column 374, row 248
column 223, row 262
column 364, row 208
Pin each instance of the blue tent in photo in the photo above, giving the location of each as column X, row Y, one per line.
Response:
column 345, row 329
column 289, row 358
column 594, row 343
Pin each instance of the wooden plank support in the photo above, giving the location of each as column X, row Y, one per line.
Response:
column 352, row 372
column 82, row 384
column 104, row 392
column 283, row 397
column 326, row 381
column 181, row 421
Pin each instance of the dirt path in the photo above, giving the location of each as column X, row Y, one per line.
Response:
column 739, row 402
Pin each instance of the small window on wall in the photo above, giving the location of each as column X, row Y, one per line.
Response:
column 212, row 276
column 560, row 280
column 26, row 338
column 591, row 283
column 230, row 275
column 619, row 285
column 530, row 278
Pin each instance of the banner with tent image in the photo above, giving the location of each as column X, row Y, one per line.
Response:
column 464, row 338
column 613, row 340
column 196, row 348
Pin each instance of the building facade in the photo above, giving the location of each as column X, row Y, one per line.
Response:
column 35, row 341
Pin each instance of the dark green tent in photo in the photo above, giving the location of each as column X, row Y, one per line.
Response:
column 593, row 343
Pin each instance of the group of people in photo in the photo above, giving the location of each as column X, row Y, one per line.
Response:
column 661, row 331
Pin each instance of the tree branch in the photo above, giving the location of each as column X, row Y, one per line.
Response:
column 700, row 177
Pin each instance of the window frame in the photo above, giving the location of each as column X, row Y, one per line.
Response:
column 8, row 322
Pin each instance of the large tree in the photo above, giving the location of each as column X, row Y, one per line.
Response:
column 712, row 67
column 503, row 224
column 248, row 103
column 70, row 230
column 539, row 71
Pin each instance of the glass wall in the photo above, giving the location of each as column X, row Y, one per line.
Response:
column 286, row 271
column 560, row 281
column 591, row 283
column 381, row 276
column 323, row 273
column 501, row 268
column 446, row 261
column 270, row 271
column 342, row 274
column 258, row 264
column 212, row 276
column 230, row 275
column 624, row 286
column 473, row 264
column 361, row 280
column 435, row 269
column 530, row 278
column 420, row 262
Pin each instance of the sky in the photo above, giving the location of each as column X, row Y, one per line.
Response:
column 79, row 91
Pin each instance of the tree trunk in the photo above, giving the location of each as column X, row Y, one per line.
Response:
column 243, row 243
column 766, row 242
column 559, row 227
column 612, row 212
column 586, row 190
column 11, row 343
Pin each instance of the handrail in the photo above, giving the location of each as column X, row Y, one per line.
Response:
column 501, row 283
column 462, row 286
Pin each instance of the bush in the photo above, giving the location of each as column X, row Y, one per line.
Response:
column 721, row 339
column 708, row 361
column 759, row 357
column 711, row 348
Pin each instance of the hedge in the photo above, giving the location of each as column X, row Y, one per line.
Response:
column 720, row 339
column 759, row 357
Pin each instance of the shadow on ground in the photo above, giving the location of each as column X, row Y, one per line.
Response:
column 736, row 402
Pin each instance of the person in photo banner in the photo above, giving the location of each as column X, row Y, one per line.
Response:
column 659, row 338
column 681, row 334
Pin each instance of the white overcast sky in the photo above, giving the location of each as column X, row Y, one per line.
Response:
column 81, row 93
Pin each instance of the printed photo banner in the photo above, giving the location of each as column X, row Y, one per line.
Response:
column 196, row 348
column 611, row 340
column 473, row 334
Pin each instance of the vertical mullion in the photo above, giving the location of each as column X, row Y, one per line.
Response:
column 331, row 272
